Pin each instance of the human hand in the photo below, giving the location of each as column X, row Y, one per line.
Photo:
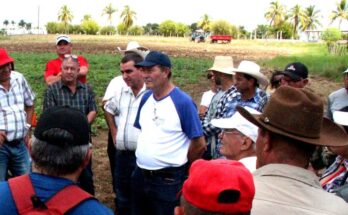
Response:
column 2, row 137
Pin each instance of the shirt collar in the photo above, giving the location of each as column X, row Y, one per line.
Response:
column 79, row 85
column 289, row 171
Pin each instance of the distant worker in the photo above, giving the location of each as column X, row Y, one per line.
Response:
column 215, row 187
column 53, row 67
column 208, row 95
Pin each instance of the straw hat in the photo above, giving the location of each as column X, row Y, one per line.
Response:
column 298, row 114
column 252, row 69
column 134, row 46
column 223, row 64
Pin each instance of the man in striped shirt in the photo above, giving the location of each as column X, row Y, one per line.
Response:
column 16, row 110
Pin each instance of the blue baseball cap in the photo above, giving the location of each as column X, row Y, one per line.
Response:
column 155, row 58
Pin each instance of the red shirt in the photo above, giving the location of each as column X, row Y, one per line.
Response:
column 53, row 67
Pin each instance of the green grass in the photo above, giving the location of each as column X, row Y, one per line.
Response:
column 102, row 68
column 316, row 58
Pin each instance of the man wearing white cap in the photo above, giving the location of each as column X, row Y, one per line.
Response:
column 53, row 67
column 238, row 138
column 223, row 75
column 339, row 98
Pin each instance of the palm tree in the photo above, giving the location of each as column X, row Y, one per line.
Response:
column 310, row 20
column 109, row 10
column 341, row 12
column 127, row 17
column 86, row 17
column 65, row 16
column 276, row 14
column 296, row 15
column 6, row 22
column 21, row 23
column 205, row 22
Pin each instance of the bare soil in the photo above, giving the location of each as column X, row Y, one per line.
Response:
column 101, row 167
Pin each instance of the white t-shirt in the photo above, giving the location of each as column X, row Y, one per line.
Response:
column 114, row 87
column 206, row 98
column 249, row 163
column 167, row 126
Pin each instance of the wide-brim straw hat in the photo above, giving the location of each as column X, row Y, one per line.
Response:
column 134, row 46
column 4, row 57
column 298, row 114
column 252, row 69
column 223, row 64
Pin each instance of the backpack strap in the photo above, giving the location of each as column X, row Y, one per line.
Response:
column 22, row 190
column 67, row 198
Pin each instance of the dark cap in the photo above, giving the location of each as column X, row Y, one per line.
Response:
column 296, row 71
column 65, row 118
column 155, row 58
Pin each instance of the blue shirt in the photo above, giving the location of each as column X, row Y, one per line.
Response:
column 45, row 187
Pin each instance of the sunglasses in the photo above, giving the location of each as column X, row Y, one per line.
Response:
column 70, row 56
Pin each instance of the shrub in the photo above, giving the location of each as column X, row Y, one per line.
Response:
column 221, row 27
column 167, row 28
column 331, row 36
column 136, row 30
column 90, row 26
column 121, row 29
column 107, row 30
column 181, row 29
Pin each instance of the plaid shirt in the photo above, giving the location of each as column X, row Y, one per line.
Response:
column 59, row 94
column 13, row 118
column 334, row 175
column 227, row 107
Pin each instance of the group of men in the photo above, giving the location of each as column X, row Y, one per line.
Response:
column 260, row 145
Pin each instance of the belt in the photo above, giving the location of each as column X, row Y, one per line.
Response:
column 126, row 152
column 14, row 142
column 166, row 172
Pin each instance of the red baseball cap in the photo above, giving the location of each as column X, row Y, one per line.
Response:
column 4, row 57
column 224, row 186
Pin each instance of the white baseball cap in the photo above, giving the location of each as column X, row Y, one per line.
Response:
column 63, row 38
column 237, row 121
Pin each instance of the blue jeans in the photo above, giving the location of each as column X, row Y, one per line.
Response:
column 156, row 192
column 123, row 169
column 14, row 157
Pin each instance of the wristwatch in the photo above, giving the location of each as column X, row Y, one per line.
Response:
column 28, row 126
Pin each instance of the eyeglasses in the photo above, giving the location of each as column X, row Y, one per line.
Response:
column 70, row 56
column 231, row 132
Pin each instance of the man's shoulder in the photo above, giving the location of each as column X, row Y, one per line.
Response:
column 90, row 207
column 338, row 93
column 54, row 61
column 179, row 96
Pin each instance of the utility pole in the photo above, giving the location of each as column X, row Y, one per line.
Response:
column 38, row 19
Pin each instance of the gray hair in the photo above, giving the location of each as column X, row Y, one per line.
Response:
column 58, row 159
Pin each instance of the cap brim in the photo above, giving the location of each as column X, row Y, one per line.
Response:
column 261, row 78
column 292, row 75
column 62, row 40
column 330, row 134
column 8, row 60
column 223, row 123
column 145, row 64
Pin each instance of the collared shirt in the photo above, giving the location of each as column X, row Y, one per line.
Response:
column 336, row 101
column 285, row 189
column 58, row 94
column 334, row 175
column 13, row 118
column 124, row 105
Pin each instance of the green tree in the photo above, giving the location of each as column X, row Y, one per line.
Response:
column 341, row 13
column 90, row 26
column 181, row 29
column 167, row 28
column 136, row 30
column 276, row 14
column 109, row 10
column 310, row 20
column 121, row 29
column 151, row 29
column 28, row 26
column 204, row 24
column 262, row 31
column 221, row 27
column 86, row 17
column 127, row 17
column 107, row 30
column 65, row 16
column 21, row 23
column 296, row 15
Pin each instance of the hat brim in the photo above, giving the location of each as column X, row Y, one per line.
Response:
column 136, row 51
column 330, row 134
column 6, row 61
column 261, row 79
column 291, row 75
column 146, row 64
column 228, row 71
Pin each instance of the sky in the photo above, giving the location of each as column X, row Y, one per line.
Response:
column 248, row 13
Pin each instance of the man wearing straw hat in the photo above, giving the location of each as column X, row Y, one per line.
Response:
column 17, row 107
column 246, row 93
column 290, row 127
column 223, row 73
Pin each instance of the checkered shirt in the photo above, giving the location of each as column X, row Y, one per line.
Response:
column 13, row 118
